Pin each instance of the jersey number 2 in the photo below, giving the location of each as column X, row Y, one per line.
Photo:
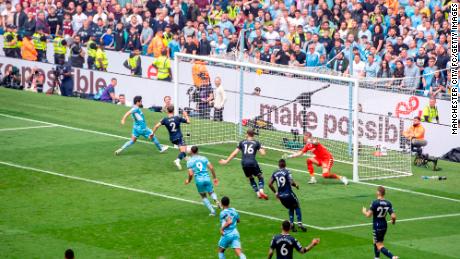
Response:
column 173, row 126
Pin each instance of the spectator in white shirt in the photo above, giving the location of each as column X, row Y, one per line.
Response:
column 358, row 67
column 100, row 14
column 78, row 19
column 219, row 100
column 271, row 35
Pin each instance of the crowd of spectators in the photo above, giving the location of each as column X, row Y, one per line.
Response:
column 406, row 40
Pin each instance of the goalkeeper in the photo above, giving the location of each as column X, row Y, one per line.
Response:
column 322, row 157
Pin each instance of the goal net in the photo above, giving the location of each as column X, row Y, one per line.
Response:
column 281, row 104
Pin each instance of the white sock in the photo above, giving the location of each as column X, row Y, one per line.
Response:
column 208, row 205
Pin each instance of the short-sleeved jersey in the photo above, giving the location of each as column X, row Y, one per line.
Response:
column 224, row 215
column 283, row 179
column 318, row 150
column 199, row 166
column 173, row 126
column 380, row 209
column 284, row 246
column 138, row 117
column 249, row 150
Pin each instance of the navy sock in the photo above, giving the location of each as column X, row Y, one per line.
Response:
column 299, row 214
column 181, row 155
column 291, row 216
column 261, row 183
column 253, row 184
column 376, row 252
column 386, row 252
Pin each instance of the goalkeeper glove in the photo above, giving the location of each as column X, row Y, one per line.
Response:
column 286, row 156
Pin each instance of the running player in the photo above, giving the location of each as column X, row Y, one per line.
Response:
column 322, row 158
column 284, row 244
column 198, row 166
column 379, row 209
column 230, row 236
column 249, row 148
column 172, row 123
column 139, row 127
column 284, row 181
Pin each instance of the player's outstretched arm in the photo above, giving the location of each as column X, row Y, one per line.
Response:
column 230, row 157
column 125, row 116
column 156, row 127
column 187, row 118
column 296, row 154
column 313, row 243
column 190, row 176
column 366, row 212
column 393, row 218
column 213, row 172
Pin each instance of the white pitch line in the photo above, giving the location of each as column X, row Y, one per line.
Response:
column 26, row 128
column 117, row 186
column 397, row 221
column 216, row 155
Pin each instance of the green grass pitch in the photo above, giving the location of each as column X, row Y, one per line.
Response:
column 61, row 187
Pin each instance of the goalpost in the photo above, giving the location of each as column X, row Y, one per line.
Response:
column 290, row 102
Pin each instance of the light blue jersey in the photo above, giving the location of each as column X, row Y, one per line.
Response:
column 231, row 236
column 139, row 126
column 199, row 166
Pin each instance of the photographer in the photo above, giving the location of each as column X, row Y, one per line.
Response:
column 12, row 78
column 416, row 135
column 66, row 85
column 35, row 81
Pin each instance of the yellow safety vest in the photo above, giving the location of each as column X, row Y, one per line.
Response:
column 133, row 62
column 162, row 63
column 9, row 44
column 233, row 12
column 167, row 38
column 58, row 47
column 216, row 20
column 91, row 51
column 38, row 43
column 431, row 113
column 100, row 55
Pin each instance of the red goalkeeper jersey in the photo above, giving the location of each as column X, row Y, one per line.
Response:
column 320, row 152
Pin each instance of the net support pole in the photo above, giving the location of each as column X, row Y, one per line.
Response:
column 350, row 102
column 241, row 81
column 355, row 130
column 176, row 84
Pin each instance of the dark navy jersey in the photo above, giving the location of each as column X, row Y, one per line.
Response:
column 249, row 149
column 283, row 179
column 284, row 246
column 380, row 209
column 173, row 126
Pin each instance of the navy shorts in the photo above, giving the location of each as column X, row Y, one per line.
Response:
column 251, row 171
column 289, row 200
column 379, row 235
column 178, row 142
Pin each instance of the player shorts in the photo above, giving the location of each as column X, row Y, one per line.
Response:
column 178, row 142
column 289, row 201
column 250, row 171
column 379, row 235
column 204, row 186
column 146, row 132
column 230, row 241
column 326, row 162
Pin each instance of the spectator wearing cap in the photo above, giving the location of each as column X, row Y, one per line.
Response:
column 412, row 73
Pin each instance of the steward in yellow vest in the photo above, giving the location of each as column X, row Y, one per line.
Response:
column 163, row 65
column 133, row 63
column 91, row 48
column 101, row 59
column 60, row 49
column 10, row 42
column 39, row 40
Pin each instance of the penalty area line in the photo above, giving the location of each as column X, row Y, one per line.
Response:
column 217, row 155
column 27, row 128
column 126, row 188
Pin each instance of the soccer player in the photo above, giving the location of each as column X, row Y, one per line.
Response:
column 230, row 236
column 284, row 181
column 322, row 158
column 284, row 244
column 139, row 127
column 379, row 209
column 172, row 123
column 249, row 148
column 198, row 166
